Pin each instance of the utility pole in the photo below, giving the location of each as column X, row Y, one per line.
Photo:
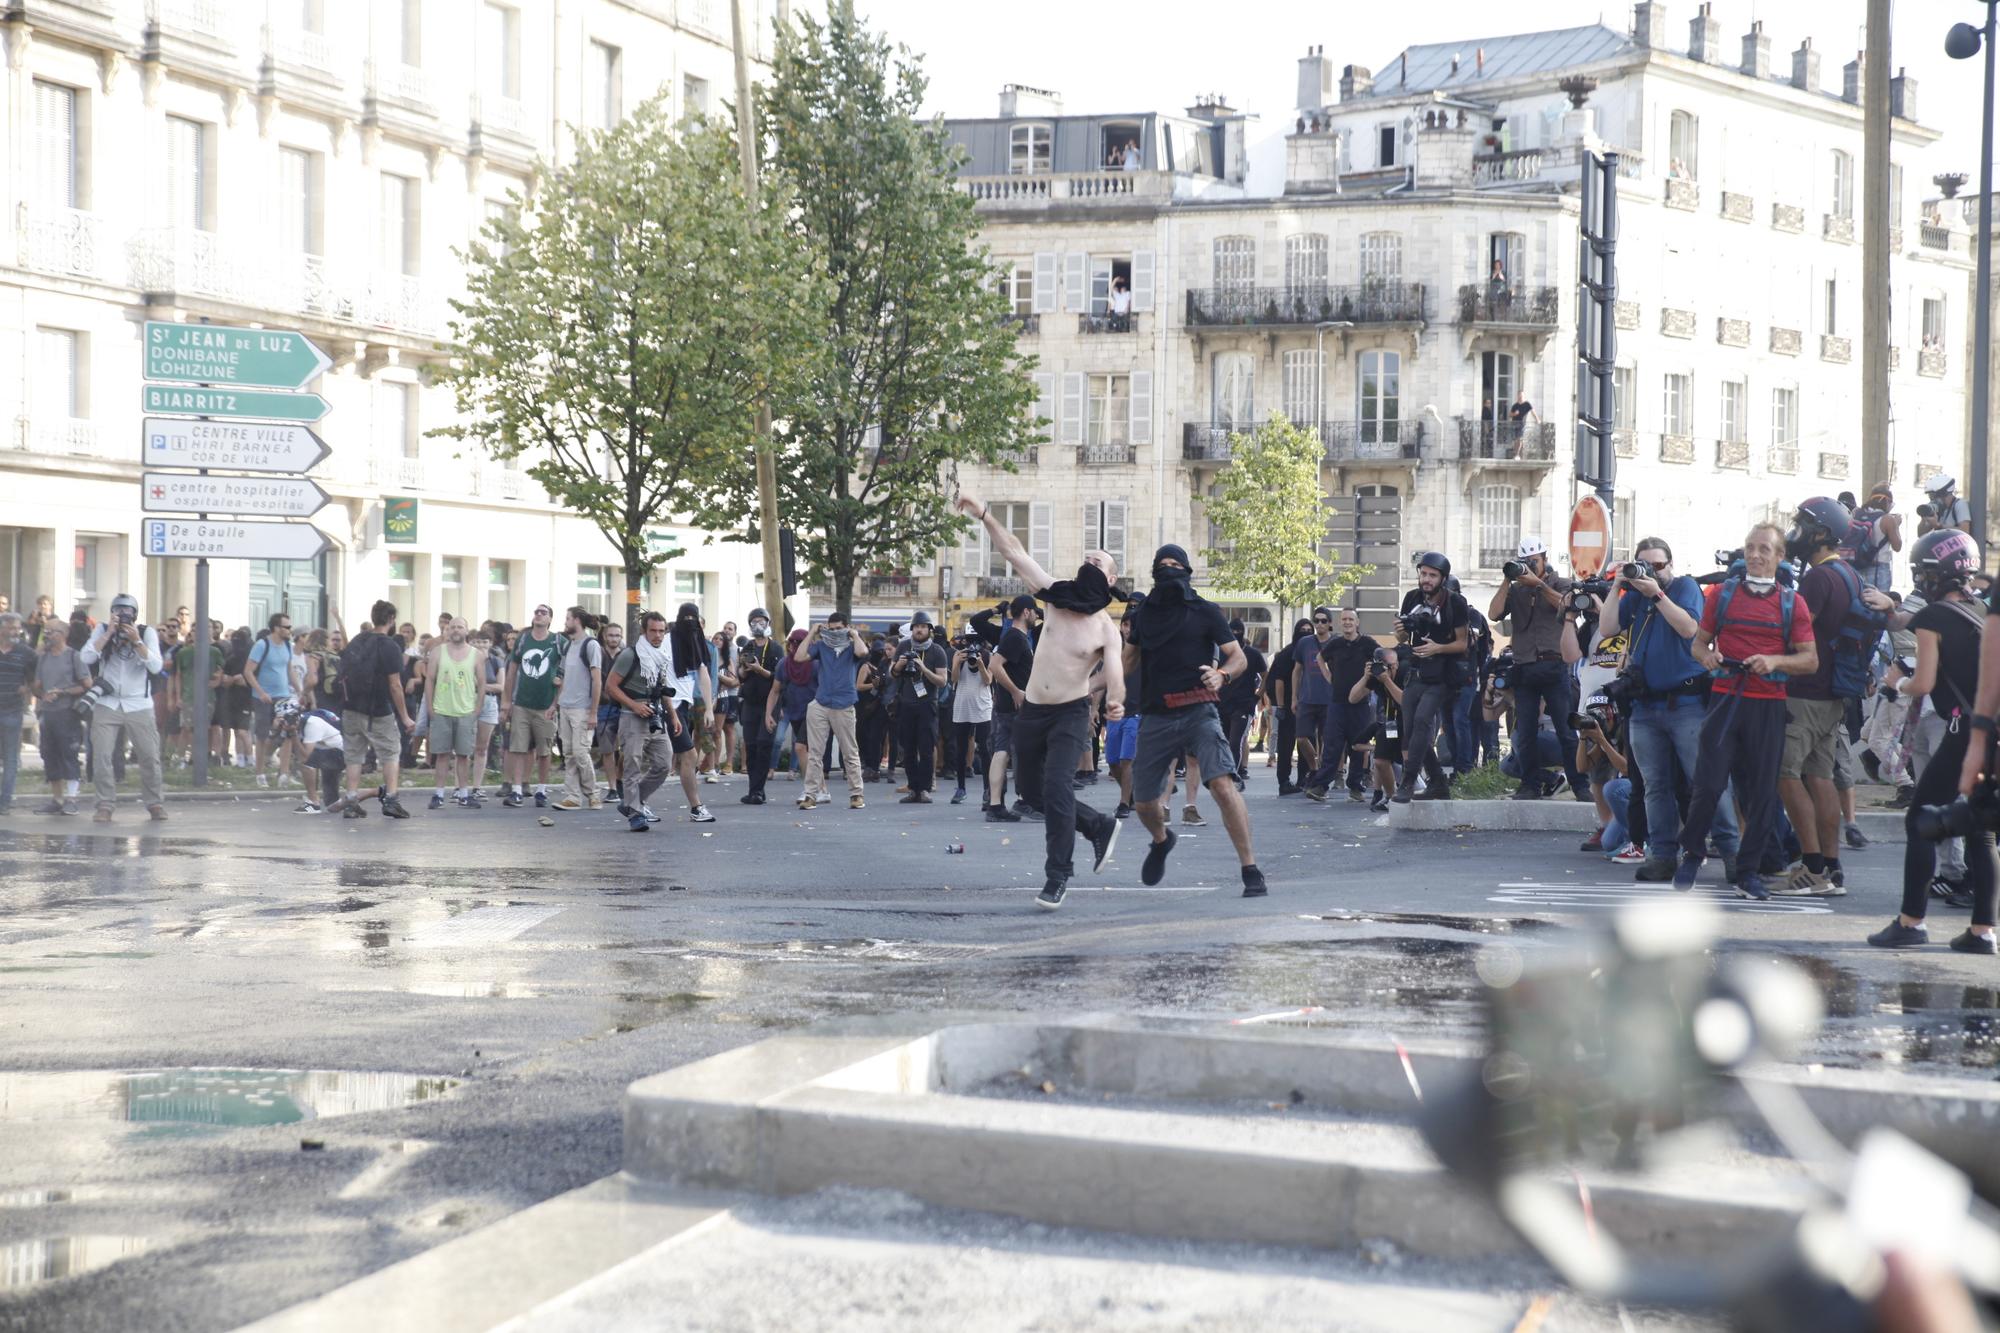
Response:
column 1875, row 250
column 767, row 462
column 1597, row 327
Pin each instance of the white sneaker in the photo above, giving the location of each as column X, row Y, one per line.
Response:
column 708, row 777
column 263, row 781
column 308, row 808
column 701, row 815
column 647, row 811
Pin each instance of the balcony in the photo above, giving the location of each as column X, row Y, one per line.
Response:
column 1683, row 194
column 1837, row 227
column 1499, row 303
column 1835, row 349
column 1292, row 307
column 1207, row 444
column 60, row 240
column 513, row 485
column 504, row 118
column 1833, row 467
column 1101, row 189
column 1088, row 324
column 1023, row 324
column 1534, row 442
column 1930, row 361
column 1523, row 164
column 890, row 587
column 1027, row 457
column 1931, row 236
column 1374, row 441
column 1786, row 342
column 303, row 51
column 1676, row 323
column 992, row 586
column 1732, row 332
column 62, row 436
column 1783, row 458
column 1677, row 449
column 184, row 261
column 1625, row 443
column 1732, row 455
column 180, row 261
column 1737, row 207
column 209, row 21
column 1787, row 217
column 1110, row 453
column 400, row 95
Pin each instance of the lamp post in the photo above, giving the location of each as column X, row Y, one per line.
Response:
column 1962, row 43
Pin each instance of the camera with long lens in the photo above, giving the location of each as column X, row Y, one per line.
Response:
column 1580, row 595
column 1632, row 569
column 1512, row 569
column 658, row 703
column 1418, row 618
column 1926, row 511
column 1961, row 816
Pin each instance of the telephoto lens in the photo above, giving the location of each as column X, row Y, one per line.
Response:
column 1632, row 569
column 1512, row 569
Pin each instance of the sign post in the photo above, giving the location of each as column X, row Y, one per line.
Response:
column 237, row 446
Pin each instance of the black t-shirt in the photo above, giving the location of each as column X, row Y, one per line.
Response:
column 1385, row 703
column 871, row 697
column 1017, row 653
column 1280, row 678
column 235, row 695
column 1958, row 656
column 933, row 656
column 1443, row 628
column 1176, row 667
column 752, row 689
column 1519, row 411
column 365, row 668
column 1345, row 661
column 1240, row 695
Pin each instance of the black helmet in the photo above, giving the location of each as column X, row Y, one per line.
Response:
column 1435, row 560
column 1943, row 561
column 1818, row 522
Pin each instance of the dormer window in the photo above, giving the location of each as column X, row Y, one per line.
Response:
column 1031, row 150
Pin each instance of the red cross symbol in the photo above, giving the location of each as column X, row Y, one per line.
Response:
column 159, row 492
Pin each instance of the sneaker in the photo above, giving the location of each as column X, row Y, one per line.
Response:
column 1314, row 793
column 647, row 812
column 393, row 808
column 1123, row 811
column 1967, row 942
column 710, row 777
column 353, row 810
column 1961, row 898
column 1752, row 886
column 1253, row 883
column 541, row 800
column 1155, row 868
column 69, row 806
column 512, row 800
column 1102, row 844
column 916, row 798
column 1871, row 765
column 1021, row 806
column 1940, row 887
column 637, row 823
column 1402, row 796
column 856, row 803
column 567, row 803
column 1440, row 792
column 701, row 814
column 1051, row 896
column 1379, row 803
column 1836, row 879
column 1896, row 935
column 103, row 815
column 1288, row 789
column 1527, row 791
column 437, row 800
column 157, row 813
column 1629, row 855
column 1804, row 883
column 1654, row 871
column 958, row 796
column 1904, row 795
column 53, row 807
column 470, row 802
column 1684, row 874
column 1000, row 814
column 751, row 798
column 1557, row 783
column 806, row 802
column 263, row 781
column 1356, row 794
column 1192, row 817
column 1034, row 816
column 1594, row 843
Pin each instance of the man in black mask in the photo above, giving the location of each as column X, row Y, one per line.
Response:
column 1174, row 645
column 1278, row 690
column 1239, row 704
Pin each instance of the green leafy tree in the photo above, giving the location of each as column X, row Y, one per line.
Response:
column 914, row 369
column 619, row 338
column 1272, row 520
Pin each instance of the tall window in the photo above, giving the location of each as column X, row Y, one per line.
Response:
column 451, row 585
column 605, row 97
column 498, row 210
column 1302, row 387
column 500, row 589
column 690, row 583
column 1305, row 265
column 1830, row 307
column 500, row 49
column 1030, row 149
column 56, row 175
column 187, row 173
column 1499, row 375
column 1735, row 412
column 396, row 433
column 1103, row 269
column 1385, row 145
column 1784, row 416
column 1109, row 408
column 1104, row 528
column 399, row 223
column 1235, row 390
column 694, row 97
column 1508, row 249
column 1677, row 407
column 1031, row 527
column 1624, row 398
column 1842, row 199
column 298, row 200
column 1499, row 524
column 402, row 575
column 593, row 588
column 1381, row 259
column 1015, row 280
column 1683, row 146
column 1380, row 406
column 1235, row 262
column 59, row 377
column 1933, row 333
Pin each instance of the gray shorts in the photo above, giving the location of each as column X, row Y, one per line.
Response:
column 1002, row 740
column 358, row 731
column 454, row 735
column 1165, row 737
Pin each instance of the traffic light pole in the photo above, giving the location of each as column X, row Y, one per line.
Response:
column 1597, row 327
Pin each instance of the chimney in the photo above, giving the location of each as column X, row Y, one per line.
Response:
column 1480, row 57
column 1805, row 67
column 1649, row 24
column 1355, row 81
column 1757, row 52
column 1850, row 80
column 1903, row 96
column 1211, row 107
column 1315, row 79
column 1018, row 99
column 1705, row 36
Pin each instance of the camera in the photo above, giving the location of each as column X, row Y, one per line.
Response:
column 124, row 615
column 1926, row 511
column 742, row 642
column 1512, row 569
column 657, row 706
column 1632, row 569
column 1501, row 668
column 1378, row 663
column 1580, row 595
column 1961, row 816
column 1418, row 618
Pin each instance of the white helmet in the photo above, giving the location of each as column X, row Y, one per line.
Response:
column 1532, row 546
column 1940, row 484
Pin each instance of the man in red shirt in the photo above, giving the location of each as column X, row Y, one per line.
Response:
column 1743, row 736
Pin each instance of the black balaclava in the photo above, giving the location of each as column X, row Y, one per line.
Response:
column 1088, row 593
column 688, row 639
column 1167, row 604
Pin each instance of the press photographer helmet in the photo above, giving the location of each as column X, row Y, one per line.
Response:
column 1943, row 561
column 125, row 608
column 1818, row 522
column 1435, row 560
column 1942, row 484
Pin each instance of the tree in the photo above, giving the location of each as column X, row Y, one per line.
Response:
column 1272, row 520
column 620, row 337
column 915, row 368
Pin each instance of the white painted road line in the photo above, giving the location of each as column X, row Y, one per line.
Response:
column 482, row 925
column 1619, row 895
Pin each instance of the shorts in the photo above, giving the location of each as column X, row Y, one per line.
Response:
column 454, row 735
column 1197, row 731
column 261, row 713
column 359, row 731
column 531, row 731
column 327, row 761
column 1121, row 740
column 233, row 717
column 683, row 741
column 1812, row 730
column 727, row 709
column 607, row 728
column 1003, row 732
column 489, row 710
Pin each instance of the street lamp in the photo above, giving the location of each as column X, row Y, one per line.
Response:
column 1962, row 43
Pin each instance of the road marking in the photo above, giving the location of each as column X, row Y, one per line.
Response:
column 1620, row 895
column 482, row 925
column 1115, row 888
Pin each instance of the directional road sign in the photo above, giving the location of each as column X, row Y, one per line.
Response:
column 239, row 446
column 234, row 403
column 264, row 497
column 225, row 354
column 225, row 540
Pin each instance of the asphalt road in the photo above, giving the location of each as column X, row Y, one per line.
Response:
column 541, row 969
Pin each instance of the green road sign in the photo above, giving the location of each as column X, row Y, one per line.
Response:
column 226, row 354
column 171, row 400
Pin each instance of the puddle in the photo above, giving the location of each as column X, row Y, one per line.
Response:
column 25, row 1263
column 211, row 1096
column 1482, row 925
column 1871, row 1023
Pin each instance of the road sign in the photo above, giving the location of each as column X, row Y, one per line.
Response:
column 226, row 540
column 240, row 446
column 263, row 497
column 225, row 354
column 1589, row 537
column 234, row 403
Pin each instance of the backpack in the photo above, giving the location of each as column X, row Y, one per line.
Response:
column 1864, row 537
column 1787, row 599
column 1854, row 642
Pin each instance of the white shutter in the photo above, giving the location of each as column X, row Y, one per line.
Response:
column 1070, row 423
column 1040, row 534
column 972, row 556
column 1113, row 540
column 1093, row 512
column 1142, row 280
column 1045, row 401
column 1142, row 407
column 185, row 205
column 55, row 133
column 1076, row 279
column 1045, row 282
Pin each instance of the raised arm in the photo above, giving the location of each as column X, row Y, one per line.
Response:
column 1114, row 679
column 1006, row 544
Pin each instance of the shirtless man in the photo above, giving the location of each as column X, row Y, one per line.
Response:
column 1052, row 728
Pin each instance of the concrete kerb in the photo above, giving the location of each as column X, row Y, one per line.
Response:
column 1561, row 814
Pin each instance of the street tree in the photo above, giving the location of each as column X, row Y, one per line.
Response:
column 1272, row 520
column 915, row 368
column 619, row 337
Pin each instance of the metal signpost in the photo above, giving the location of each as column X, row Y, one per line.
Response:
column 1597, row 326
column 222, row 371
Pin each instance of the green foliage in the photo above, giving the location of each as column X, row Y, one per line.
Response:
column 620, row 337
column 1272, row 519
column 913, row 369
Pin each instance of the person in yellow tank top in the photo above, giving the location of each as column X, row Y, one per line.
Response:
column 453, row 672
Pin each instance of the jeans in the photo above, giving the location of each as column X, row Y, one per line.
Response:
column 756, row 746
column 1049, row 739
column 1617, row 794
column 1286, row 740
column 108, row 728
column 10, row 756
column 976, row 739
column 1347, row 725
column 1538, row 686
column 1463, row 727
column 1425, row 704
column 916, row 737
column 1236, row 726
column 1666, row 734
column 1742, row 742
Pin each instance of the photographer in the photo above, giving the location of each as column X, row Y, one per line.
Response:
column 917, row 670
column 1531, row 598
column 1947, row 511
column 1439, row 639
column 1388, row 670
column 642, row 683
column 1951, row 670
column 971, row 712
column 1312, row 691
column 1601, row 758
column 1661, row 614
column 127, row 656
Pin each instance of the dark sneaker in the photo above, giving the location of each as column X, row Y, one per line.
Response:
column 1021, row 806
column 958, row 797
column 1356, row 794
column 393, row 808
column 513, row 801
column 1379, row 803
column 541, row 800
column 637, row 822
column 1942, row 888
column 1123, row 811
column 1728, row 868
column 1556, row 784
column 1034, row 816
column 1314, row 793
column 1051, row 896
column 1871, row 765
column 1000, row 814
column 1288, row 789
column 1904, row 795
column 1654, row 872
column 1402, row 796
column 751, row 798
column 1155, row 868
column 470, row 802
column 1441, row 792
column 1896, row 935
column 1594, row 843
column 1102, row 844
column 1752, row 886
column 1253, row 883
column 915, row 798
column 1961, row 898
column 1967, row 942
column 437, row 800
column 1684, row 874
column 1527, row 791
column 1855, row 837
column 353, row 811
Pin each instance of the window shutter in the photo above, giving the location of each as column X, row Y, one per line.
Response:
column 1092, row 512
column 1045, row 402
column 1142, row 407
column 55, row 127
column 972, row 556
column 1113, row 540
column 1142, row 280
column 1045, row 282
column 1070, row 423
column 1076, row 279
column 1040, row 534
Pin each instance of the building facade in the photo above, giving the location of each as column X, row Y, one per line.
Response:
column 319, row 166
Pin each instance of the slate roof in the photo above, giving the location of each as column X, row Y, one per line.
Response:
column 1519, row 55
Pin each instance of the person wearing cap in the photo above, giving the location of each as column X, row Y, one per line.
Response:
column 916, row 672
column 1532, row 601
column 1874, row 537
column 127, row 655
column 1013, row 660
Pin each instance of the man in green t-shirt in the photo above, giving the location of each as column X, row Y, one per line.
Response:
column 528, row 707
